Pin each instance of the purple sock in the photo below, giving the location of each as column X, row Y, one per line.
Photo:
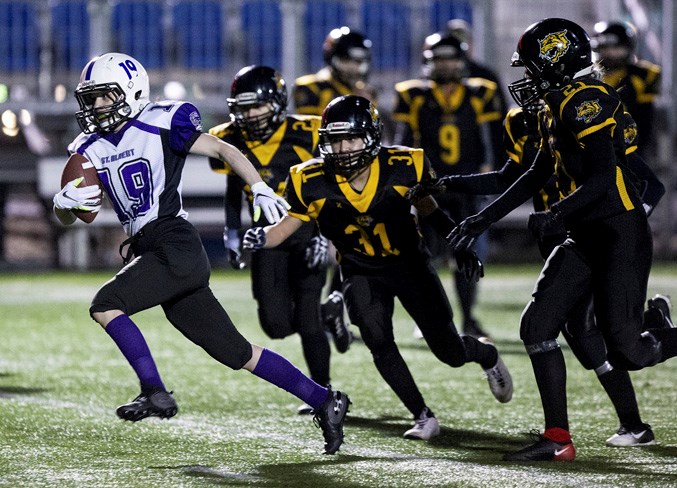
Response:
column 279, row 371
column 131, row 343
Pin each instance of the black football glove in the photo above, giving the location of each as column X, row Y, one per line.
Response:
column 469, row 265
column 464, row 235
column 254, row 238
column 426, row 188
column 546, row 224
column 231, row 241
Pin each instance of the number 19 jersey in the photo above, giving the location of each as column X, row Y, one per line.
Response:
column 140, row 165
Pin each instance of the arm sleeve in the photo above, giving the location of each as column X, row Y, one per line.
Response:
column 522, row 189
column 489, row 183
column 233, row 201
column 652, row 189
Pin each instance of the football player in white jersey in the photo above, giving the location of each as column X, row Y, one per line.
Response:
column 139, row 149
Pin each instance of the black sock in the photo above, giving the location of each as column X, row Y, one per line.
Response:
column 618, row 386
column 476, row 351
column 396, row 373
column 551, row 378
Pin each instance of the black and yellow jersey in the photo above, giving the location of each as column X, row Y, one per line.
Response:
column 311, row 93
column 295, row 141
column 585, row 109
column 449, row 128
column 371, row 229
column 522, row 140
column 638, row 85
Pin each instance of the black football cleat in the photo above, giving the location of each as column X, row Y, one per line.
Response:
column 158, row 403
column 543, row 450
column 330, row 417
column 664, row 305
column 472, row 328
column 334, row 321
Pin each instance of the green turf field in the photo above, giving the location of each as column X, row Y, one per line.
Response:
column 61, row 378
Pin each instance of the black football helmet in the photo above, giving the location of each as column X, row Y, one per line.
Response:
column 443, row 46
column 254, row 86
column 347, row 117
column 614, row 35
column 344, row 44
column 554, row 52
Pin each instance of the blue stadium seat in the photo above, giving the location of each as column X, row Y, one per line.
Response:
column 445, row 10
column 198, row 34
column 383, row 20
column 20, row 36
column 320, row 18
column 70, row 34
column 262, row 25
column 137, row 31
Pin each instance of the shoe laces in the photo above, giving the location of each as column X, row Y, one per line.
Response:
column 495, row 374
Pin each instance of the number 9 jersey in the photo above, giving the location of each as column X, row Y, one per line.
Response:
column 372, row 229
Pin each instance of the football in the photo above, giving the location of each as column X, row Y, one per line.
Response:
column 78, row 166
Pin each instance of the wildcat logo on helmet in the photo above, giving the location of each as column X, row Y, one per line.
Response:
column 554, row 45
column 587, row 111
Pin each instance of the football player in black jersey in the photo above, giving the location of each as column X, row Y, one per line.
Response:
column 356, row 193
column 456, row 120
column 462, row 30
column 609, row 240
column 347, row 57
column 522, row 140
column 287, row 281
column 637, row 81
column 139, row 149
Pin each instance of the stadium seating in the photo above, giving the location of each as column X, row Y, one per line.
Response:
column 20, row 34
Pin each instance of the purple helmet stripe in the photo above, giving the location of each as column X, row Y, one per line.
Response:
column 88, row 72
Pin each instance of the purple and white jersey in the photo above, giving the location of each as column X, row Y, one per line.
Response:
column 140, row 166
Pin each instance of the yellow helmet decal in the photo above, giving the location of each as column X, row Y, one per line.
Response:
column 554, row 45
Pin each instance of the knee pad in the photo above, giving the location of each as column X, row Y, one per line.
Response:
column 532, row 330
column 541, row 347
column 276, row 329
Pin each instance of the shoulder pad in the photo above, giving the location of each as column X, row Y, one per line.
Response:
column 312, row 164
column 647, row 67
column 481, row 84
column 222, row 130
column 407, row 85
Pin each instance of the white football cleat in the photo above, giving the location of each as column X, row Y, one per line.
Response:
column 425, row 427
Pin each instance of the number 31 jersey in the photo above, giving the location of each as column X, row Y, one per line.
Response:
column 140, row 166
column 371, row 229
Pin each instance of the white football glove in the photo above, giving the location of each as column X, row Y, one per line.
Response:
column 73, row 197
column 317, row 255
column 231, row 241
column 254, row 238
column 274, row 207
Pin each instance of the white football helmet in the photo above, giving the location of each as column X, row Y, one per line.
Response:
column 119, row 83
